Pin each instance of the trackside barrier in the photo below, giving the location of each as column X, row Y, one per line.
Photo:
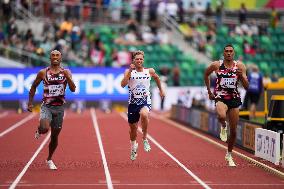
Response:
column 207, row 122
column 267, row 145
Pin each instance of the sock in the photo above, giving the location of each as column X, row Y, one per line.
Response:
column 229, row 153
column 132, row 143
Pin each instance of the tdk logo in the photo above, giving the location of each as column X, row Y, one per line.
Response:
column 87, row 84
column 99, row 83
column 10, row 83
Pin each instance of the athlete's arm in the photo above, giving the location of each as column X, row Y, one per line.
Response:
column 70, row 82
column 126, row 77
column 242, row 72
column 38, row 79
column 157, row 80
column 210, row 69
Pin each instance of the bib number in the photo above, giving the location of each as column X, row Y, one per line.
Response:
column 140, row 92
column 228, row 83
column 55, row 90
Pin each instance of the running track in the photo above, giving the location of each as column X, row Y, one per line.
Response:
column 93, row 152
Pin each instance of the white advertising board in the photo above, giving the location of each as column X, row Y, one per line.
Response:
column 267, row 145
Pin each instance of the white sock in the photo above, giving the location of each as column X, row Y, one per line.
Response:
column 132, row 143
column 229, row 153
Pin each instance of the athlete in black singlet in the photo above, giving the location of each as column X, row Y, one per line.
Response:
column 226, row 95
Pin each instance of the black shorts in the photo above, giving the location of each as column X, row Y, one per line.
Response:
column 134, row 112
column 253, row 97
column 231, row 103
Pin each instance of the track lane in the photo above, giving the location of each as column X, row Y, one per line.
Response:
column 10, row 119
column 150, row 170
column 77, row 158
column 207, row 160
column 16, row 149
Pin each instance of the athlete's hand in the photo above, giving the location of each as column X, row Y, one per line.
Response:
column 162, row 94
column 131, row 67
column 240, row 72
column 211, row 95
column 30, row 107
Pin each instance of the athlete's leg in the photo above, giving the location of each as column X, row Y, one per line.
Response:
column 56, row 126
column 133, row 144
column 45, row 119
column 53, row 141
column 221, row 109
column 144, row 115
column 233, row 115
column 133, row 131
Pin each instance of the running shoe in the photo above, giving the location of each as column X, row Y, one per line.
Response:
column 230, row 160
column 51, row 165
column 37, row 135
column 133, row 153
column 223, row 133
column 147, row 146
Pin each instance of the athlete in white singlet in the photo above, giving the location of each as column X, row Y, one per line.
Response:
column 138, row 80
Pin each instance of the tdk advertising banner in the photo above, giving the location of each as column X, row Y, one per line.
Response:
column 92, row 84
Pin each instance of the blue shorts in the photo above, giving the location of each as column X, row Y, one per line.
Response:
column 134, row 112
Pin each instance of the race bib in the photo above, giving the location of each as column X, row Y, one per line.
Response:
column 55, row 90
column 228, row 83
column 140, row 92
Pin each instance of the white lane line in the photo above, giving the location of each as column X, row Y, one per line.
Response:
column 3, row 114
column 171, row 156
column 17, row 124
column 142, row 184
column 19, row 177
column 96, row 126
column 191, row 131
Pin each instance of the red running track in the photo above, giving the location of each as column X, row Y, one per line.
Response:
column 94, row 152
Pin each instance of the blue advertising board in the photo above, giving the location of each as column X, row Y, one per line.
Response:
column 240, row 129
column 213, row 126
column 92, row 84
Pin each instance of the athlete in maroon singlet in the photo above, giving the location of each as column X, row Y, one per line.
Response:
column 226, row 95
column 55, row 80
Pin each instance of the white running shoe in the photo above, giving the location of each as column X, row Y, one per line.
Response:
column 133, row 153
column 230, row 160
column 147, row 146
column 51, row 165
column 223, row 133
column 37, row 135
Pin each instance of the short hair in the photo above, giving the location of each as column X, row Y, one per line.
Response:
column 55, row 50
column 229, row 45
column 134, row 53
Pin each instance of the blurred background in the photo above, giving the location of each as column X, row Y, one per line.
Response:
column 179, row 37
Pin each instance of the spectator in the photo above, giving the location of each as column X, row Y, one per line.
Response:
column 153, row 6
column 139, row 11
column 255, row 89
column 274, row 18
column 219, row 14
column 176, row 76
column 243, row 14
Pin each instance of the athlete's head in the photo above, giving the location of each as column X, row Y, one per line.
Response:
column 55, row 57
column 229, row 52
column 138, row 58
